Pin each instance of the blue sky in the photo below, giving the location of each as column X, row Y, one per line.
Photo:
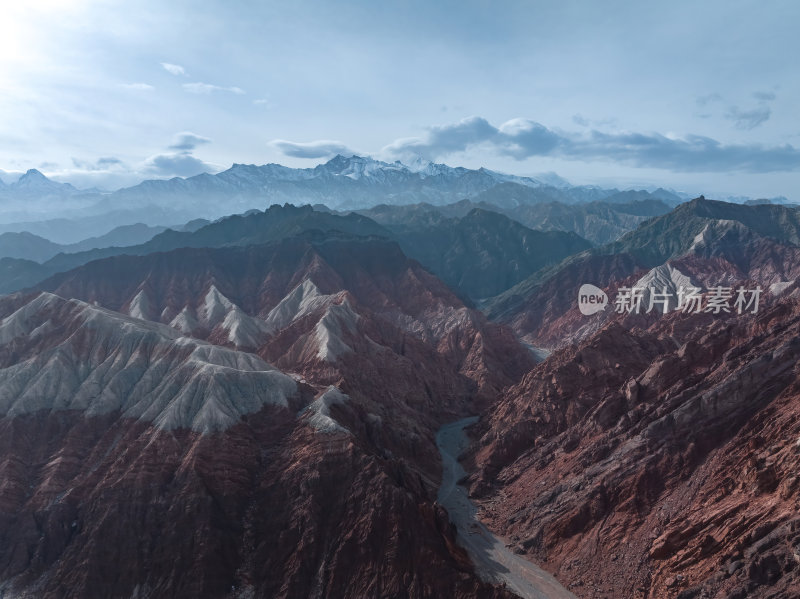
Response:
column 694, row 96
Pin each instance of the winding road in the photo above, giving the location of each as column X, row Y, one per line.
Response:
column 493, row 561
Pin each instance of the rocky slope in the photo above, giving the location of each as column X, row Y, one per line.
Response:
column 655, row 462
column 250, row 296
column 479, row 254
column 484, row 253
column 273, row 224
column 599, row 222
column 310, row 471
column 709, row 243
column 137, row 462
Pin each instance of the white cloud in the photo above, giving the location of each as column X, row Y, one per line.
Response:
column 10, row 176
column 143, row 87
column 583, row 121
column 173, row 69
column 748, row 119
column 523, row 138
column 105, row 163
column 179, row 164
column 312, row 149
column 207, row 88
column 187, row 141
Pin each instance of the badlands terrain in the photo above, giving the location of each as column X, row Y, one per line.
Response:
column 399, row 399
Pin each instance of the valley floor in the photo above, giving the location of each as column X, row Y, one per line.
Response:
column 493, row 561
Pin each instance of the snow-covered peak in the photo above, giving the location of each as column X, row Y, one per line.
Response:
column 35, row 181
column 553, row 179
column 32, row 176
column 359, row 167
column 426, row 168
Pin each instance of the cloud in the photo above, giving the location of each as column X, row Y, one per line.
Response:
column 174, row 69
column 742, row 119
column 444, row 139
column 187, row 141
column 106, row 172
column 748, row 119
column 106, row 163
column 708, row 99
column 692, row 153
column 207, row 88
column 10, row 176
column 141, row 87
column 312, row 149
column 455, row 135
column 180, row 164
column 519, row 138
column 581, row 120
column 110, row 172
column 524, row 138
column 764, row 96
column 263, row 102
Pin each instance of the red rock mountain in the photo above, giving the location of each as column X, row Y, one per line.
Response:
column 703, row 243
column 656, row 455
column 239, row 422
column 260, row 420
column 656, row 461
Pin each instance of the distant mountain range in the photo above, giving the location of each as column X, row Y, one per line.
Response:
column 41, row 206
column 35, row 185
column 598, row 221
column 479, row 254
column 28, row 246
column 341, row 183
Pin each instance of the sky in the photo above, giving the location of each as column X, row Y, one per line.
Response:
column 699, row 97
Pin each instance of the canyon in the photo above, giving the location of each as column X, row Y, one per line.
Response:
column 274, row 405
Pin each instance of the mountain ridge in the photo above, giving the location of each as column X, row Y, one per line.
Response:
column 757, row 240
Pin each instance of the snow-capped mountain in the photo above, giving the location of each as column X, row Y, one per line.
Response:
column 33, row 196
column 341, row 183
column 34, row 183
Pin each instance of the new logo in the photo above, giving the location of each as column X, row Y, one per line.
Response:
column 591, row 300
